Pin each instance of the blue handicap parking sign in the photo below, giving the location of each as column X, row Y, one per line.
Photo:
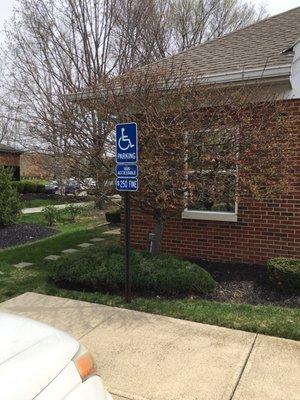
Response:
column 126, row 184
column 126, row 143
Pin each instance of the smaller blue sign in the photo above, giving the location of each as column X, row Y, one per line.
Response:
column 126, row 143
column 126, row 170
column 126, row 184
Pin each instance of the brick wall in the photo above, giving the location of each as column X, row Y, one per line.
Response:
column 264, row 229
column 35, row 165
column 9, row 159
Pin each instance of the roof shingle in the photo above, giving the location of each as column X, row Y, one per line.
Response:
column 257, row 46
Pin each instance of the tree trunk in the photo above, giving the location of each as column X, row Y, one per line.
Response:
column 99, row 200
column 158, row 231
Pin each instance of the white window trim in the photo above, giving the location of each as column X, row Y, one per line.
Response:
column 211, row 215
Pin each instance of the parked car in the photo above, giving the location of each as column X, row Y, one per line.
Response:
column 51, row 187
column 89, row 183
column 40, row 362
column 74, row 187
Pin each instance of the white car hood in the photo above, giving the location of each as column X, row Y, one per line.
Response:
column 31, row 356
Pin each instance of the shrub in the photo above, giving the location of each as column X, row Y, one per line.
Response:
column 39, row 187
column 27, row 186
column 72, row 211
column 30, row 187
column 51, row 215
column 10, row 203
column 103, row 269
column 284, row 274
column 35, row 187
column 19, row 186
column 113, row 216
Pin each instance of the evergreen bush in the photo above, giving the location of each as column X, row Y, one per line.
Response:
column 102, row 268
column 10, row 203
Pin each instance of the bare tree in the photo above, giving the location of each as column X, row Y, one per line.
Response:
column 199, row 142
column 197, row 21
column 152, row 29
column 56, row 47
column 10, row 125
column 142, row 32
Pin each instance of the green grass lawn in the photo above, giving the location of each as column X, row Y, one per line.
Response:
column 68, row 235
column 275, row 321
column 31, row 203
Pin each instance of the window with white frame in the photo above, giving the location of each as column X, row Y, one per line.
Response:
column 212, row 172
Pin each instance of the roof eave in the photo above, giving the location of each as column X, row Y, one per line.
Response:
column 290, row 49
column 17, row 152
column 277, row 73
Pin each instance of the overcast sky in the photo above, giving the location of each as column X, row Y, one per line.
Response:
column 278, row 6
column 273, row 6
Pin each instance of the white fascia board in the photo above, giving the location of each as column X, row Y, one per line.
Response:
column 249, row 74
column 295, row 72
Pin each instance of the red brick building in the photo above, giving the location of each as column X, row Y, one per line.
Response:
column 10, row 158
column 251, row 231
column 37, row 165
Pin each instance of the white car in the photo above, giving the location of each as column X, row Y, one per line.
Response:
column 89, row 183
column 42, row 363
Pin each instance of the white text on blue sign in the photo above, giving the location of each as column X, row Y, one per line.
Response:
column 126, row 184
column 126, row 170
column 126, row 143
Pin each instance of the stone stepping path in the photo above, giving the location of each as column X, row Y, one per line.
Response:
column 54, row 257
column 85, row 245
column 69, row 251
column 23, row 265
column 112, row 232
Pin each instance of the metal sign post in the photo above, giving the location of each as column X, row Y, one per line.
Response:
column 126, row 181
column 127, row 249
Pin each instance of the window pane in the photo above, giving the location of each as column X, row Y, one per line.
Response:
column 212, row 191
column 212, row 171
column 15, row 172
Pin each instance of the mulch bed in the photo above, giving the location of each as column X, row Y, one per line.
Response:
column 246, row 284
column 22, row 233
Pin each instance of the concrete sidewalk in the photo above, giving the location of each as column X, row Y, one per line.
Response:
column 147, row 357
column 34, row 210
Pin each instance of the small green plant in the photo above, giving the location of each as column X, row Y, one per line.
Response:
column 51, row 215
column 284, row 274
column 10, row 203
column 113, row 216
column 103, row 270
column 72, row 212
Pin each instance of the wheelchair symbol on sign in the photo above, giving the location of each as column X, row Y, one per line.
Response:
column 124, row 142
